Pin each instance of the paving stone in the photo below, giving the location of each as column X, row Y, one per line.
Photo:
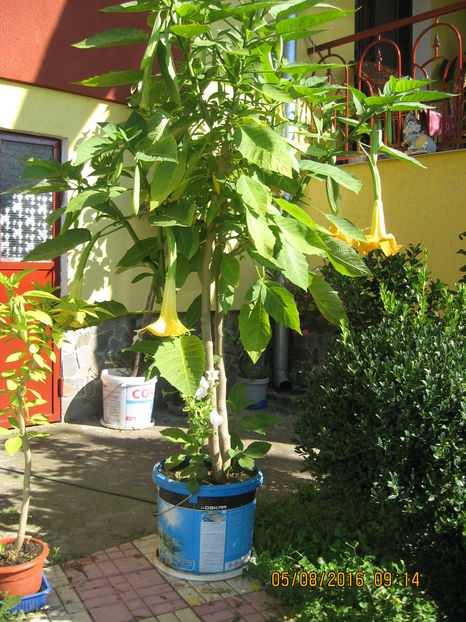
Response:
column 173, row 605
column 145, row 578
column 58, row 614
column 191, row 596
column 167, row 617
column 108, row 568
column 138, row 608
column 56, row 576
column 81, row 616
column 67, row 594
column 114, row 613
column 187, row 615
column 102, row 601
column 242, row 585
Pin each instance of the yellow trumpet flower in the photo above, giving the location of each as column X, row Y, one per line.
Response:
column 168, row 323
column 378, row 236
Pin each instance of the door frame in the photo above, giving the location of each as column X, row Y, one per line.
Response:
column 54, row 266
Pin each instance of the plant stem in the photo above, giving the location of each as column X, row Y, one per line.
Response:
column 214, row 445
column 224, row 435
column 27, row 472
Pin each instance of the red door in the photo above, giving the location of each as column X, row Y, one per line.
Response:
column 23, row 226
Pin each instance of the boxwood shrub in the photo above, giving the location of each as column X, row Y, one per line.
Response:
column 383, row 433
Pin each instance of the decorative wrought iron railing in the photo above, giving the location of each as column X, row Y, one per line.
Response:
column 446, row 124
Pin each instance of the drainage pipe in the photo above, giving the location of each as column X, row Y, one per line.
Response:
column 281, row 335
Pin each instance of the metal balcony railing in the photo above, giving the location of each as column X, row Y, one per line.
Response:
column 446, row 124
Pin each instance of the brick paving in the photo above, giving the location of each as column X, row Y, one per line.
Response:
column 121, row 584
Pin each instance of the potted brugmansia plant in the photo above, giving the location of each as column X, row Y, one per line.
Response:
column 32, row 325
column 217, row 176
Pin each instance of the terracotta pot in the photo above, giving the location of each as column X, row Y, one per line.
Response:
column 23, row 579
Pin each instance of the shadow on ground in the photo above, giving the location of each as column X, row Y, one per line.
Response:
column 92, row 487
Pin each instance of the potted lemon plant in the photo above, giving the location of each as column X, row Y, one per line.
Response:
column 32, row 324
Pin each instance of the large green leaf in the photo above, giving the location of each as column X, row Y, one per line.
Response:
column 344, row 258
column 399, row 155
column 298, row 213
column 91, row 147
column 348, row 180
column 280, row 304
column 138, row 253
column 294, row 233
column 189, row 30
column 113, row 37
column 168, row 70
column 229, row 270
column 262, row 146
column 327, row 300
column 284, row 9
column 306, row 22
column 254, row 194
column 167, row 177
column 164, row 150
column 261, row 236
column 175, row 214
column 181, row 361
column 346, row 227
column 87, row 198
column 133, row 6
column 59, row 245
column 277, row 93
column 258, row 423
column 254, row 329
column 293, row 265
column 237, row 399
column 112, row 78
column 257, row 449
column 187, row 240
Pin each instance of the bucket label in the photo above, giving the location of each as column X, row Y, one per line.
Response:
column 139, row 402
column 212, row 540
column 114, row 405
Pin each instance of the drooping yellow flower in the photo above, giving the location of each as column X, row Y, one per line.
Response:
column 378, row 236
column 168, row 323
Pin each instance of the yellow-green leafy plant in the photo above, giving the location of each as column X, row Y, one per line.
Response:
column 32, row 325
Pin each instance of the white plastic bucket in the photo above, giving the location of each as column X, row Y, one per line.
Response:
column 128, row 400
column 256, row 391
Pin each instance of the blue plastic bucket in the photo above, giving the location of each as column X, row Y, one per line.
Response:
column 206, row 533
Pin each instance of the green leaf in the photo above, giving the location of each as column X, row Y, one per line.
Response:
column 112, row 78
column 246, row 463
column 293, row 265
column 167, row 177
column 298, row 213
column 40, row 316
column 115, row 36
column 183, row 269
column 138, row 253
column 193, row 313
column 91, row 147
column 168, row 71
column 254, row 194
column 133, row 6
column 399, row 155
column 229, row 270
column 181, row 361
column 306, row 22
column 12, row 445
column 226, row 294
column 277, row 93
column 51, row 249
column 237, row 399
column 187, row 240
column 86, row 198
column 294, row 233
column 11, row 385
column 164, row 150
column 176, row 435
column 346, row 227
column 189, row 30
column 254, row 329
column 400, row 85
column 4, row 432
column 260, row 145
column 258, row 423
column 284, row 9
column 280, row 304
column 342, row 177
column 261, row 236
column 176, row 214
column 257, row 449
column 344, row 258
column 327, row 300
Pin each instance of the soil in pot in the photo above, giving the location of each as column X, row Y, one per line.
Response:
column 29, row 551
